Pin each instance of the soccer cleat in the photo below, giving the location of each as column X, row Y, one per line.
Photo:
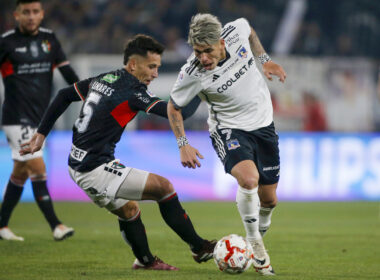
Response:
column 7, row 234
column 266, row 271
column 157, row 264
column 206, row 252
column 62, row 232
column 261, row 258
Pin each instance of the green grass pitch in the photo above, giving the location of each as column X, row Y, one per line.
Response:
column 315, row 240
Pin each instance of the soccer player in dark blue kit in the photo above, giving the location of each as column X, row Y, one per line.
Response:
column 28, row 56
column 111, row 101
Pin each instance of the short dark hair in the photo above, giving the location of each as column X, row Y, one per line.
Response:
column 141, row 44
column 18, row 2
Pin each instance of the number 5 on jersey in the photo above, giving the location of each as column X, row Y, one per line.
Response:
column 88, row 109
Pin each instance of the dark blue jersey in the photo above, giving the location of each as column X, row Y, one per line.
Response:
column 26, row 64
column 111, row 101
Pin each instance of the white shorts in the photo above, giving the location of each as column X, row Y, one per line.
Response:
column 17, row 135
column 102, row 183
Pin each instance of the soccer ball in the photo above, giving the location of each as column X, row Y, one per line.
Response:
column 233, row 254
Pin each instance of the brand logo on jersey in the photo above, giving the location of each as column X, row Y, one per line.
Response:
column 34, row 48
column 46, row 46
column 243, row 52
column 215, row 77
column 151, row 94
column 109, row 78
column 233, row 144
column 140, row 96
column 21, row 50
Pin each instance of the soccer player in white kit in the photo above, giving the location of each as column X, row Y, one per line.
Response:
column 222, row 72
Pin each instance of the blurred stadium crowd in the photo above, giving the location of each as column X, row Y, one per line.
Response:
column 349, row 27
column 332, row 59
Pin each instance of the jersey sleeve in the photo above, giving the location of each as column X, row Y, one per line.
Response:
column 185, row 89
column 243, row 27
column 59, row 56
column 142, row 100
column 3, row 52
column 82, row 87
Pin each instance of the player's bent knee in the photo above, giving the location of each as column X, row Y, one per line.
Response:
column 269, row 203
column 128, row 211
column 19, row 180
column 165, row 186
column 249, row 182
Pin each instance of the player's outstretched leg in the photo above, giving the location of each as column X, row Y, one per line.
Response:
column 161, row 190
column 177, row 219
column 133, row 232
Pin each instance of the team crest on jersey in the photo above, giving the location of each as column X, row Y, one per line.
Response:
column 46, row 46
column 233, row 144
column 109, row 78
column 242, row 52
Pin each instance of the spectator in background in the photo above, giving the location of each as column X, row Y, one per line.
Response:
column 314, row 117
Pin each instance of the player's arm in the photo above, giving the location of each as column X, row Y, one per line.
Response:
column 59, row 105
column 63, row 63
column 160, row 108
column 68, row 74
column 188, row 154
column 269, row 67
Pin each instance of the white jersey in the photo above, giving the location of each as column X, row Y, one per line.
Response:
column 235, row 90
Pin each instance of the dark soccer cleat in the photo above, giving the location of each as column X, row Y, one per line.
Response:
column 206, row 252
column 157, row 264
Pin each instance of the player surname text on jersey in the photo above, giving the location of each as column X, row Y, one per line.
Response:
column 106, row 90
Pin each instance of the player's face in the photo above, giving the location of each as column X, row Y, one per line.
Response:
column 146, row 68
column 29, row 17
column 210, row 55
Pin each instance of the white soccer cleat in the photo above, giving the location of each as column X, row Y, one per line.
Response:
column 62, row 232
column 261, row 260
column 7, row 234
column 266, row 271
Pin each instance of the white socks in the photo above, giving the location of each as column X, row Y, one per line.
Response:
column 265, row 219
column 248, row 204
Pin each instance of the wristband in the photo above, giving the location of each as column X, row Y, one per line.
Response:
column 264, row 58
column 182, row 141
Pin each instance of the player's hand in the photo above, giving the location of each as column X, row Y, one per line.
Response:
column 189, row 156
column 270, row 68
column 34, row 145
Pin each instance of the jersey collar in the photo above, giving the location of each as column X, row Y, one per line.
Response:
column 220, row 63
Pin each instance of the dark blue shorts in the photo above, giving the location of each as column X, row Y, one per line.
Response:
column 260, row 146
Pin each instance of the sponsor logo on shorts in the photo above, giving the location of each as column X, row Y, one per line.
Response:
column 270, row 168
column 233, row 144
